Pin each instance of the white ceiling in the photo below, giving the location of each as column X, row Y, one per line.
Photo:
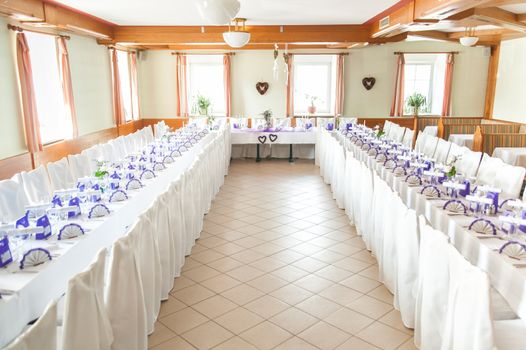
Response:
column 515, row 8
column 261, row 12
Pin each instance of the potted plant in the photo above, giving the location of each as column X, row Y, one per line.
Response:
column 267, row 114
column 312, row 108
column 203, row 103
column 416, row 102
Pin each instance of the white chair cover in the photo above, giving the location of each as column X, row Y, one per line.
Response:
column 257, row 123
column 42, row 335
column 387, row 126
column 432, row 289
column 407, row 140
column 37, row 186
column 468, row 323
column 12, row 201
column 86, row 322
column 407, row 250
column 125, row 299
column 442, row 151
column 509, row 179
column 300, row 122
column 60, row 175
column 509, row 334
column 455, row 151
column 322, row 122
column 281, row 122
column 468, row 164
column 420, row 142
column 430, row 146
column 93, row 154
column 79, row 165
column 149, row 263
column 488, row 169
column 198, row 121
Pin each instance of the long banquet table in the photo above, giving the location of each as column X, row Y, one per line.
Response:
column 507, row 276
column 35, row 289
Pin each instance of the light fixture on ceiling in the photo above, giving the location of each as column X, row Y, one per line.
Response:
column 218, row 12
column 238, row 37
column 469, row 39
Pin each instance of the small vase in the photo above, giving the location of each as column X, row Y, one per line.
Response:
column 312, row 109
column 203, row 111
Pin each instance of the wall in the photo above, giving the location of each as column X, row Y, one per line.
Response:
column 157, row 80
column 510, row 102
column 90, row 71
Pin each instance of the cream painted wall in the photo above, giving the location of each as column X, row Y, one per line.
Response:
column 157, row 80
column 510, row 101
column 11, row 131
column 90, row 71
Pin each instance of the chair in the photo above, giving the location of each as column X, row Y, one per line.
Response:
column 432, row 288
column 442, row 151
column 420, row 142
column 42, row 335
column 86, row 322
column 199, row 122
column 60, row 175
column 430, row 146
column 407, row 140
column 455, row 151
column 468, row 164
column 13, row 201
column 79, row 165
column 301, row 122
column 37, row 186
column 125, row 298
column 94, row 155
column 488, row 170
column 322, row 122
column 281, row 122
column 509, row 179
column 387, row 127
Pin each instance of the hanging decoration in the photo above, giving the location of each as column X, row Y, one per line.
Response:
column 262, row 87
column 368, row 82
column 286, row 59
column 275, row 68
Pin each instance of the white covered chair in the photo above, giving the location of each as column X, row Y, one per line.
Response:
column 93, row 154
column 300, row 122
column 509, row 179
column 79, row 165
column 430, row 146
column 455, row 151
column 468, row 164
column 13, row 200
column 199, row 122
column 488, row 169
column 36, row 185
column 60, row 175
column 281, row 122
column 442, row 151
column 42, row 335
column 125, row 298
column 257, row 123
column 387, row 127
column 420, row 142
column 86, row 322
column 322, row 122
column 407, row 140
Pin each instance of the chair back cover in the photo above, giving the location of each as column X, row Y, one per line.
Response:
column 86, row 321
column 60, row 175
column 407, row 140
column 509, row 179
column 12, row 201
column 442, row 151
column 468, row 164
column 488, row 169
column 79, row 165
column 430, row 146
column 281, row 122
column 420, row 142
column 37, row 186
column 455, row 151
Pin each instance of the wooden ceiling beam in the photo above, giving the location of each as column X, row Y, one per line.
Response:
column 433, row 34
column 493, row 15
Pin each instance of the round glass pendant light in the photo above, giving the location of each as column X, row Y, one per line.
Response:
column 469, row 39
column 218, row 12
column 238, row 37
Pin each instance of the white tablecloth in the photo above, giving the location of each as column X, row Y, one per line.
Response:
column 511, row 155
column 462, row 140
column 244, row 143
column 508, row 280
column 35, row 290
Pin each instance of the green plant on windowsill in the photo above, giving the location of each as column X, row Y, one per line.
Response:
column 203, row 104
column 416, row 102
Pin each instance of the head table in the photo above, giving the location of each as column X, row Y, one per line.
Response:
column 34, row 287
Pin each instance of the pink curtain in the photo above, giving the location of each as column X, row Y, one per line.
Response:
column 290, row 86
column 67, row 87
column 228, row 84
column 118, row 113
column 134, row 85
column 397, row 108
column 27, row 90
column 446, row 105
column 340, row 85
column 180, row 79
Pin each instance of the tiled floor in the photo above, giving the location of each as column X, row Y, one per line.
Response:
column 278, row 267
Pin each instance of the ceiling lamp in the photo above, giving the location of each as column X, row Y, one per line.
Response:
column 238, row 37
column 469, row 39
column 218, row 12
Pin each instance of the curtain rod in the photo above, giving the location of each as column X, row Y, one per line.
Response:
column 419, row 53
column 20, row 30
column 204, row 53
column 318, row 54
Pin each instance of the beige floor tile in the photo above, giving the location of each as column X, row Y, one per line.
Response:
column 266, row 335
column 190, row 264
column 333, row 273
column 267, row 248
column 394, row 319
column 225, row 264
column 370, row 307
column 249, row 242
column 193, row 294
column 309, row 264
column 247, row 256
column 268, row 264
column 290, row 273
column 408, row 345
column 293, row 320
column 340, row 294
column 239, row 320
column 351, row 264
column 184, row 320
column 313, row 283
column 295, row 343
column 174, row 343
column 324, row 336
column 245, row 273
column 207, row 335
column 318, row 306
column 212, row 242
column 231, row 235
column 201, row 273
column 220, row 283
column 291, row 294
column 364, row 256
column 207, row 256
column 235, row 343
column 356, row 343
column 266, row 306
column 170, row 306
column 229, row 248
column 348, row 320
column 328, row 256
column 267, row 283
column 360, row 283
column 242, row 294
column 215, row 306
column 160, row 335
column 370, row 272
column 181, row 283
column 383, row 336
column 382, row 293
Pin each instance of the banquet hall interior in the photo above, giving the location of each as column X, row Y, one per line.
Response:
column 262, row 174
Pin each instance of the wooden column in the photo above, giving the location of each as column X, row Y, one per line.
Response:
column 491, row 85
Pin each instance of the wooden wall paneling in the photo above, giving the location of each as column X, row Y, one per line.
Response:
column 16, row 164
column 407, row 122
column 130, row 127
column 173, row 123
column 491, row 85
column 27, row 10
column 477, row 140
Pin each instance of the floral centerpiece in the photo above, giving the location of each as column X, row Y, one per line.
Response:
column 450, row 168
column 312, row 107
column 102, row 170
column 379, row 132
column 267, row 115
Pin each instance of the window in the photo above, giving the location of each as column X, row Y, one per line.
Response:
column 425, row 74
column 123, row 65
column 206, row 78
column 49, row 96
column 314, row 81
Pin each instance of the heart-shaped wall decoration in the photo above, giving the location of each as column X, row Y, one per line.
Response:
column 368, row 82
column 262, row 87
column 272, row 137
column 262, row 139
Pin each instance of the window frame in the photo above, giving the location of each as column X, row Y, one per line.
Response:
column 429, row 99
column 204, row 61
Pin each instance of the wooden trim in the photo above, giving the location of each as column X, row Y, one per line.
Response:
column 440, row 132
column 173, row 123
column 402, row 121
column 27, row 10
column 129, row 127
column 491, row 85
column 16, row 164
column 400, row 4
column 477, row 140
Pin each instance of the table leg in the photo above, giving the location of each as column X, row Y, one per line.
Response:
column 291, row 157
column 258, row 158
